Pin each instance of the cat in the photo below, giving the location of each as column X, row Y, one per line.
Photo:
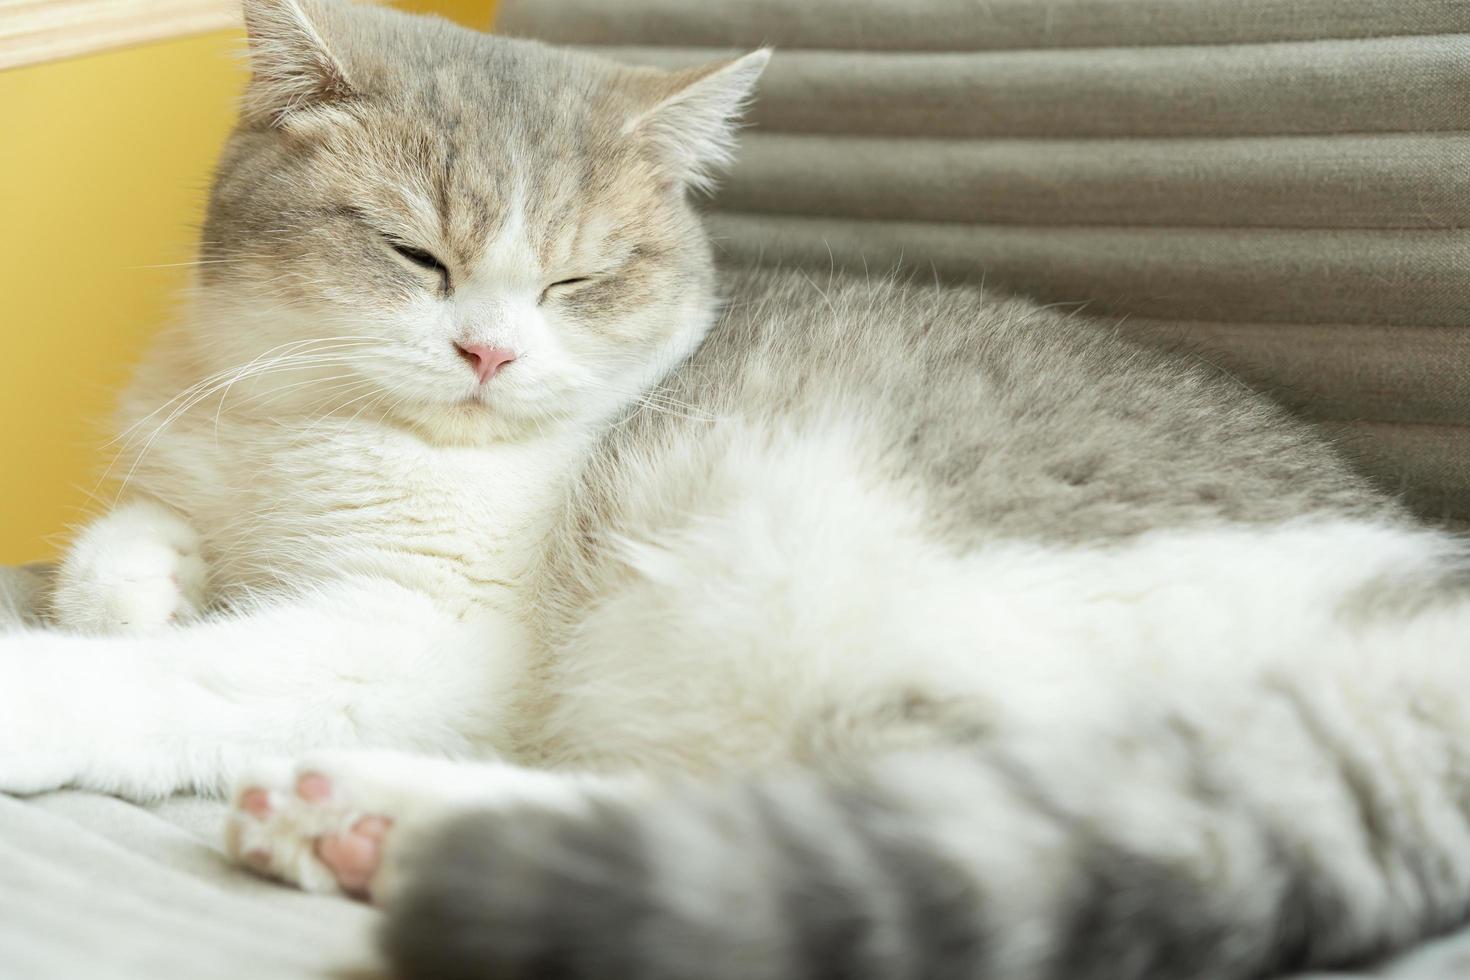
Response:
column 602, row 616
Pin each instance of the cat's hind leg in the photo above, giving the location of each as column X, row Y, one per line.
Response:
column 134, row 570
column 353, row 821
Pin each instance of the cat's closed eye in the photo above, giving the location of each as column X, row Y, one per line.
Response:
column 419, row 257
column 562, row 285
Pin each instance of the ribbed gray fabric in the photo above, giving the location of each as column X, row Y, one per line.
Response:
column 1335, row 371
column 1428, row 466
column 1411, row 277
column 1414, row 180
column 1374, row 85
column 1281, row 185
column 973, row 25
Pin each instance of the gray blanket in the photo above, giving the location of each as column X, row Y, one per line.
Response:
column 93, row 887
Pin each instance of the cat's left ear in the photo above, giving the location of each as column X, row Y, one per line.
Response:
column 691, row 128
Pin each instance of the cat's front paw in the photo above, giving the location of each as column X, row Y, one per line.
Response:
column 336, row 822
column 26, row 772
column 136, row 570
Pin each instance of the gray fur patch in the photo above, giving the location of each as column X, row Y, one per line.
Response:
column 524, row 894
column 827, row 917
column 942, row 916
column 1132, row 917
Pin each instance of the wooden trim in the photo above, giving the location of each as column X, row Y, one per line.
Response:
column 32, row 31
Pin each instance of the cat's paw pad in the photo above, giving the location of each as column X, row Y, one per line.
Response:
column 134, row 571
column 322, row 824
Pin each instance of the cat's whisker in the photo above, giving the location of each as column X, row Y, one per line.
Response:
column 287, row 348
column 194, row 263
column 297, row 355
column 323, row 386
column 312, row 361
column 656, row 401
column 200, row 396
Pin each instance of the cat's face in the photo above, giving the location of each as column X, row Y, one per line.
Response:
column 471, row 233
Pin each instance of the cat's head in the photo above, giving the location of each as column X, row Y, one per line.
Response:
column 406, row 205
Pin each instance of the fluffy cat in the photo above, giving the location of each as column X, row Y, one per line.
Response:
column 863, row 629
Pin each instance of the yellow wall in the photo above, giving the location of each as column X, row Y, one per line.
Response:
column 104, row 163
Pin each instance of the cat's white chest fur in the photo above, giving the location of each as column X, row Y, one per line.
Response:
column 305, row 506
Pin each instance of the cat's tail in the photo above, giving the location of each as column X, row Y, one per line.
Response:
column 954, row 864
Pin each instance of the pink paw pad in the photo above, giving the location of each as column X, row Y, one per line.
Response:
column 353, row 857
column 313, row 787
column 256, row 802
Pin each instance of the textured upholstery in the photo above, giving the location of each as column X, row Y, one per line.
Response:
column 1280, row 185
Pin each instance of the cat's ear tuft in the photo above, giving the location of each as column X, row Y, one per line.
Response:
column 291, row 66
column 691, row 127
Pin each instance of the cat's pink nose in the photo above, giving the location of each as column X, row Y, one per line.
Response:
column 485, row 360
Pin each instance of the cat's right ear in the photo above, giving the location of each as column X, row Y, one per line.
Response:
column 291, row 65
column 691, row 126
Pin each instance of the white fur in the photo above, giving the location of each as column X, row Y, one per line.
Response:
column 361, row 662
